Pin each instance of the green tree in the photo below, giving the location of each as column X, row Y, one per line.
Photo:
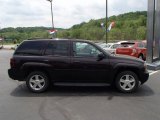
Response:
column 141, row 33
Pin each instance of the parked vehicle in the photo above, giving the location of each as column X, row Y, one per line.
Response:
column 135, row 49
column 1, row 43
column 73, row 62
column 102, row 45
column 111, row 47
column 15, row 47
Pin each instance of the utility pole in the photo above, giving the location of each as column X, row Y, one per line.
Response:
column 106, row 19
column 52, row 17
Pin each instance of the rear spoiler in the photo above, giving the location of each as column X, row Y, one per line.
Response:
column 124, row 43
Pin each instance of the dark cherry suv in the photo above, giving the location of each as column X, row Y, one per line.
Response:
column 74, row 62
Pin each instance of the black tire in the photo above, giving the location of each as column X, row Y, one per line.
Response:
column 130, row 84
column 37, row 82
column 141, row 57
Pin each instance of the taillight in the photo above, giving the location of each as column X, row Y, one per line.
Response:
column 116, row 51
column 12, row 62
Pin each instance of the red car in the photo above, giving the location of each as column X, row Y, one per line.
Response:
column 135, row 49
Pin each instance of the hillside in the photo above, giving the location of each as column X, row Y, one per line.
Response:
column 129, row 26
column 90, row 31
column 22, row 33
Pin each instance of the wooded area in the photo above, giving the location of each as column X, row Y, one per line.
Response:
column 128, row 26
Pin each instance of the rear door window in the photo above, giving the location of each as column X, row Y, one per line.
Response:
column 58, row 48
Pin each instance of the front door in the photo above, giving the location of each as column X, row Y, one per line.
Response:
column 85, row 64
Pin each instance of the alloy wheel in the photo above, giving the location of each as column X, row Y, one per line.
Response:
column 127, row 82
column 37, row 82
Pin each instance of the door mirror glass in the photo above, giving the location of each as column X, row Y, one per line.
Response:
column 101, row 56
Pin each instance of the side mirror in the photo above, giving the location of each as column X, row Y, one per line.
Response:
column 101, row 56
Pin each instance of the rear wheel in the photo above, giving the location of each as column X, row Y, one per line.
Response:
column 37, row 82
column 141, row 57
column 127, row 82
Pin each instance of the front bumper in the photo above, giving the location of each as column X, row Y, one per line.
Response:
column 16, row 74
column 144, row 77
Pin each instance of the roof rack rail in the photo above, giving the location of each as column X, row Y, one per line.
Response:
column 38, row 38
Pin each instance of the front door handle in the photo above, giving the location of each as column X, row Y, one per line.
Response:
column 76, row 62
column 46, row 60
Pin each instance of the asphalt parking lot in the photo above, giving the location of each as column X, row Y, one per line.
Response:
column 76, row 103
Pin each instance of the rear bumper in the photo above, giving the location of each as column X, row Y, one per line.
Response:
column 144, row 77
column 16, row 74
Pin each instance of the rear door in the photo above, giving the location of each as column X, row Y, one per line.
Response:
column 57, row 54
column 85, row 64
column 125, row 49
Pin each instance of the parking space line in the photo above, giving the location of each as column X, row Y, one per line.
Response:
column 152, row 73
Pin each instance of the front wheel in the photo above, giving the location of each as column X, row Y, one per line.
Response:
column 127, row 82
column 141, row 57
column 37, row 82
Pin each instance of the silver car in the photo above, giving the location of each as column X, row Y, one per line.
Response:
column 111, row 47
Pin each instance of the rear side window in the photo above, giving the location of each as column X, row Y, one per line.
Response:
column 141, row 45
column 31, row 48
column 58, row 48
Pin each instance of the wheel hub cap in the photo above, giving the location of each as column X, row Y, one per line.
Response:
column 37, row 82
column 127, row 82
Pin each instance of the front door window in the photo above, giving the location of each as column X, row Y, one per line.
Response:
column 82, row 49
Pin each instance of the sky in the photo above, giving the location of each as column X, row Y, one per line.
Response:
column 31, row 13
